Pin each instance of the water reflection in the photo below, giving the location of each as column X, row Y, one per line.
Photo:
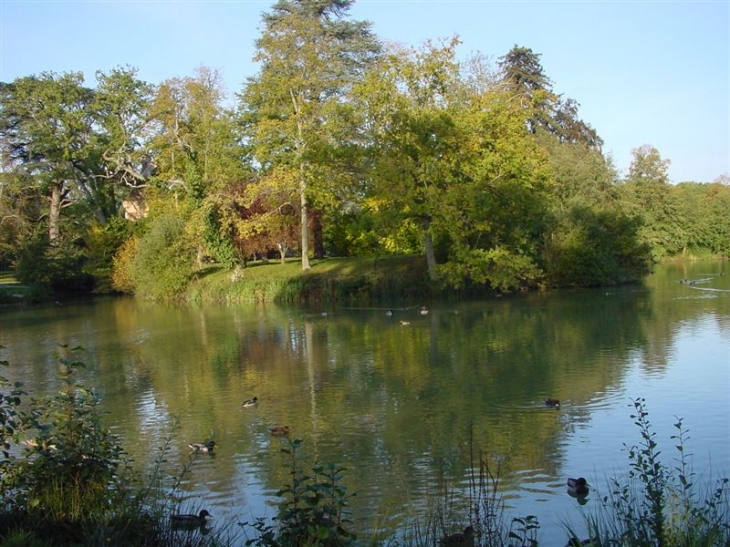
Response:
column 407, row 408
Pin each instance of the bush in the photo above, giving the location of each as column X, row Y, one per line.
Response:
column 163, row 263
column 592, row 248
column 71, row 484
column 312, row 510
column 70, row 469
column 660, row 505
column 102, row 243
column 59, row 267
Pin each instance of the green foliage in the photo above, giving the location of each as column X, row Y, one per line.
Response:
column 591, row 248
column 312, row 508
column 526, row 80
column 659, row 504
column 122, row 278
column 10, row 423
column 60, row 267
column 499, row 269
column 101, row 244
column 72, row 461
column 220, row 247
column 294, row 111
column 648, row 196
column 164, row 259
column 706, row 205
column 523, row 531
column 70, row 484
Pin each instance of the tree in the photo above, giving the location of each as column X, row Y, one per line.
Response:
column 46, row 125
column 407, row 98
column 649, row 196
column 310, row 55
column 525, row 79
column 451, row 158
column 121, row 108
column 198, row 155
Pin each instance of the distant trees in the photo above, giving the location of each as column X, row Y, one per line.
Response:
column 649, row 196
column 338, row 144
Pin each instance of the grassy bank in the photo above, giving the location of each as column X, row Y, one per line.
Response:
column 12, row 292
column 331, row 280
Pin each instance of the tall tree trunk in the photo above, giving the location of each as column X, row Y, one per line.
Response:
column 430, row 255
column 304, row 219
column 54, row 214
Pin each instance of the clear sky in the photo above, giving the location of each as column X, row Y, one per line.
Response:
column 644, row 72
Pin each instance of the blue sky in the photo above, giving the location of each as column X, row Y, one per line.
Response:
column 644, row 72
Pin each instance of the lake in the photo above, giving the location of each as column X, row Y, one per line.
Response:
column 408, row 403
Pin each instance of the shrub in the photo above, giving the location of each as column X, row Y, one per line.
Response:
column 659, row 505
column 312, row 509
column 163, row 264
column 59, row 266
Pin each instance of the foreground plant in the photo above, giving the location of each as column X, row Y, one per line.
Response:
column 660, row 505
column 312, row 510
column 70, row 482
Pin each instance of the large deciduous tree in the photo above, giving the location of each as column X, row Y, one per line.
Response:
column 46, row 125
column 121, row 111
column 77, row 145
column 310, row 54
column 451, row 158
column 649, row 196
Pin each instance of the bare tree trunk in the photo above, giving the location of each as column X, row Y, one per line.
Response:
column 430, row 255
column 304, row 219
column 54, row 214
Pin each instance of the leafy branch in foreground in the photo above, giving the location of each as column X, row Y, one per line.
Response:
column 659, row 505
column 313, row 507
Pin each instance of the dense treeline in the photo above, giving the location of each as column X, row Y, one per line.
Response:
column 339, row 146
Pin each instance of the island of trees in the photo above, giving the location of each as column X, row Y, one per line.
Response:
column 339, row 146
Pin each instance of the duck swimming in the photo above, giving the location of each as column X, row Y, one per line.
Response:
column 555, row 403
column 202, row 447
column 250, row 402
column 280, row 430
column 578, row 487
column 191, row 520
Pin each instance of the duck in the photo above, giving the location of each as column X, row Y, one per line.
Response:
column 578, row 487
column 462, row 539
column 389, row 313
column 250, row 402
column 405, row 323
column 555, row 403
column 424, row 310
column 202, row 447
column 280, row 430
column 200, row 519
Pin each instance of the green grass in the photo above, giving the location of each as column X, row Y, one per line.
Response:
column 13, row 292
column 7, row 278
column 351, row 280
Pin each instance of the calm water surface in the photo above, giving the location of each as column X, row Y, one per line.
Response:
column 410, row 409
